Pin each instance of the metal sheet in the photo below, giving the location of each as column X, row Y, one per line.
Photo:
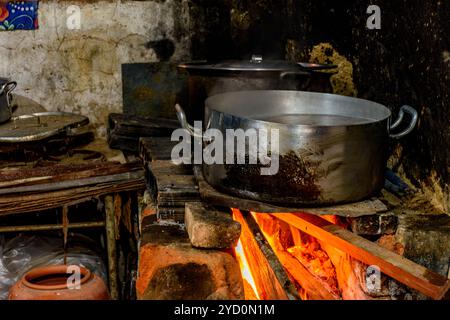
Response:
column 152, row 89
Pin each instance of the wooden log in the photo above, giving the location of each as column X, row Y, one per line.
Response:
column 272, row 258
column 267, row 284
column 397, row 267
column 313, row 287
column 272, row 229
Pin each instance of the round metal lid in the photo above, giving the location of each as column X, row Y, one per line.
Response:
column 255, row 64
column 38, row 126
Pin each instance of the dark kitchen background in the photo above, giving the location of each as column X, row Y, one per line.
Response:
column 118, row 69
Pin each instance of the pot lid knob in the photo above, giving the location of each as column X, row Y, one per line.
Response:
column 256, row 58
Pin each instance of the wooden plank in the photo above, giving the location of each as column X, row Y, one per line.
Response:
column 62, row 172
column 124, row 130
column 168, row 167
column 156, row 148
column 134, row 126
column 76, row 183
column 211, row 195
column 265, row 280
column 176, row 182
column 397, row 267
column 123, row 143
column 175, row 190
column 54, row 199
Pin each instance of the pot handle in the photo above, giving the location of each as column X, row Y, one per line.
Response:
column 414, row 116
column 7, row 88
column 184, row 124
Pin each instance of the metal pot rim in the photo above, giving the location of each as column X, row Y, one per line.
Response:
column 214, row 103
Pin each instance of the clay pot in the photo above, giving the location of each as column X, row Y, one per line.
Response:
column 51, row 283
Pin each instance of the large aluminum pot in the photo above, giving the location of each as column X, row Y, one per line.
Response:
column 332, row 149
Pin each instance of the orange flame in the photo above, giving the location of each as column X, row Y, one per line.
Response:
column 245, row 269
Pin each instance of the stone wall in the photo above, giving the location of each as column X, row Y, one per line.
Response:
column 80, row 70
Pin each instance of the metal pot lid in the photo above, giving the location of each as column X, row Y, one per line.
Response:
column 38, row 126
column 255, row 64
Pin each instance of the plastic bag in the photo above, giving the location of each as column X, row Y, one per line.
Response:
column 26, row 252
column 7, row 279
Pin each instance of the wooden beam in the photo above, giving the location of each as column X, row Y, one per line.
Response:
column 397, row 267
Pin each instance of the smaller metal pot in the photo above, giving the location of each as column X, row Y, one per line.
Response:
column 6, row 87
column 208, row 79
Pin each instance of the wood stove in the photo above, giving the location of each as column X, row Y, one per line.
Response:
column 198, row 243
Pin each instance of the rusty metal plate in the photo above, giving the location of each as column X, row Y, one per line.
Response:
column 38, row 126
